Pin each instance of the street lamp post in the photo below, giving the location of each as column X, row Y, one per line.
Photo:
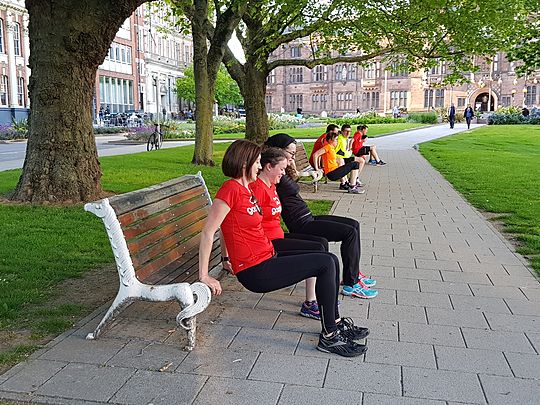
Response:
column 155, row 78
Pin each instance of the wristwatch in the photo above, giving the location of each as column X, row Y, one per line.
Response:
column 225, row 259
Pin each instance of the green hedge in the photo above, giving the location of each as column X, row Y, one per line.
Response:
column 512, row 119
column 423, row 117
column 366, row 120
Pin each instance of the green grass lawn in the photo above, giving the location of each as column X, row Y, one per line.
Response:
column 303, row 133
column 42, row 246
column 497, row 168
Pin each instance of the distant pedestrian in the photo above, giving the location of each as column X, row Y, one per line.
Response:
column 468, row 114
column 395, row 111
column 452, row 115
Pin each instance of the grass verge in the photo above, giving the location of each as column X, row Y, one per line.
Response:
column 44, row 247
column 497, row 168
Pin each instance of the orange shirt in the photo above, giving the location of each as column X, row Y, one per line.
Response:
column 329, row 159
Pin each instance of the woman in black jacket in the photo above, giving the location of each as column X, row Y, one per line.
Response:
column 299, row 219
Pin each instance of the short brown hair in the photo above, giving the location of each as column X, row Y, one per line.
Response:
column 272, row 156
column 241, row 153
column 330, row 136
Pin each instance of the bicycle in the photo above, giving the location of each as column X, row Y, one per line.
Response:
column 155, row 140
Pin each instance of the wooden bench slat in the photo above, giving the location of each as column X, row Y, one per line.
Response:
column 170, row 219
column 146, row 211
column 135, row 199
column 166, row 244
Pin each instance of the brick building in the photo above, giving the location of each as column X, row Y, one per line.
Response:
column 347, row 87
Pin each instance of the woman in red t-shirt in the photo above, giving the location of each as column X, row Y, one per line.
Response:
column 253, row 259
column 273, row 162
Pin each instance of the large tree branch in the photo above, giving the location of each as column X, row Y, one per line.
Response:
column 235, row 68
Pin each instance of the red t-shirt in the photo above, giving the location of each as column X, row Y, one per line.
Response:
column 271, row 208
column 319, row 143
column 247, row 245
column 357, row 142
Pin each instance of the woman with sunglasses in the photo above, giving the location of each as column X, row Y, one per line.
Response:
column 299, row 219
column 273, row 163
column 254, row 261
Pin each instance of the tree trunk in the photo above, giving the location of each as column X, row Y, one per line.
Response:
column 204, row 88
column 254, row 96
column 68, row 41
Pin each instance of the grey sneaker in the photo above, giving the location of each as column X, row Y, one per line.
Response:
column 341, row 345
column 355, row 190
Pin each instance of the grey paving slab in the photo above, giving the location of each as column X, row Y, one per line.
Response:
column 31, row 375
column 464, row 277
column 444, row 287
column 229, row 391
column 397, row 313
column 398, row 284
column 294, row 394
column 518, row 270
column 417, row 274
column 86, row 382
column 523, row 307
column 400, row 353
column 380, row 399
column 534, row 338
column 532, row 293
column 514, row 323
column 353, row 376
column 148, row 356
column 297, row 370
column 423, row 299
column 497, row 340
column 472, row 360
column 431, row 334
column 147, row 387
column 219, row 363
column 515, row 281
column 506, row 390
column 442, row 385
column 484, row 304
column 269, row 341
column 437, row 265
column 524, row 365
column 471, row 318
column 78, row 349
column 378, row 271
column 219, row 336
column 496, row 291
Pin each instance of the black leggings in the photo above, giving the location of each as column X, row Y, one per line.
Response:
column 288, row 268
column 298, row 241
column 342, row 171
column 339, row 229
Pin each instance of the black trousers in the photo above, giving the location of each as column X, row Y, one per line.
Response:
column 468, row 119
column 341, row 171
column 451, row 121
column 339, row 229
column 299, row 241
column 288, row 268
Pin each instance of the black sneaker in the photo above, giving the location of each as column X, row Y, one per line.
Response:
column 348, row 329
column 345, row 186
column 339, row 344
column 381, row 163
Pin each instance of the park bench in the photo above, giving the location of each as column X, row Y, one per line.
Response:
column 155, row 235
column 304, row 168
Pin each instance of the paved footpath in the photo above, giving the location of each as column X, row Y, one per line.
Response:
column 457, row 320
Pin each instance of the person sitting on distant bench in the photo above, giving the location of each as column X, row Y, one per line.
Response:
column 361, row 150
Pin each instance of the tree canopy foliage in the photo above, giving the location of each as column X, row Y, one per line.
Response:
column 227, row 91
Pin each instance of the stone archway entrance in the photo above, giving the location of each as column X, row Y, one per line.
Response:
column 481, row 101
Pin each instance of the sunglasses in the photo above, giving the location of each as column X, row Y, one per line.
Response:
column 253, row 200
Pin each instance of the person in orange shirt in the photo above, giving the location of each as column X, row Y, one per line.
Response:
column 332, row 169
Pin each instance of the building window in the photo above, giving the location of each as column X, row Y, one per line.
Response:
column 315, row 102
column 428, row 98
column 295, row 101
column 398, row 70
column 370, row 100
column 17, row 39
column 295, row 52
column 296, row 75
column 268, row 102
column 116, row 94
column 439, row 97
column 506, row 101
column 271, row 79
column 21, row 91
column 344, row 101
column 370, row 71
column 4, row 91
column 496, row 63
column 339, row 72
column 398, row 99
column 1, row 36
column 324, row 98
column 351, row 72
column 320, row 73
column 461, row 102
column 530, row 97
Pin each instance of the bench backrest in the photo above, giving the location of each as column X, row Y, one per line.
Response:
column 301, row 159
column 161, row 225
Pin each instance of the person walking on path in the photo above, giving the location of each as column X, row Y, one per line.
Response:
column 452, row 115
column 254, row 261
column 468, row 114
column 273, row 163
column 299, row 219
